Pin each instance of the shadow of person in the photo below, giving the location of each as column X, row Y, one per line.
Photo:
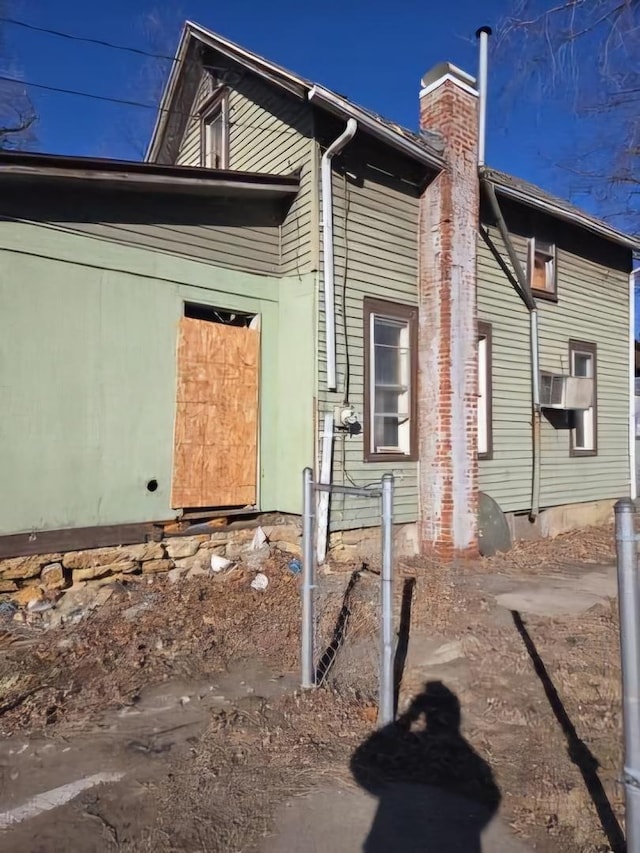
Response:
column 435, row 793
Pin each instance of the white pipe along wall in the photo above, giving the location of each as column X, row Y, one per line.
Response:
column 633, row 485
column 327, row 248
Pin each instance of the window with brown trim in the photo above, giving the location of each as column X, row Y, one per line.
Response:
column 214, row 133
column 485, row 393
column 390, row 377
column 584, row 432
column 542, row 269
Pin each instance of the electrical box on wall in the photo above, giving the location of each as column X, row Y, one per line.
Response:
column 345, row 416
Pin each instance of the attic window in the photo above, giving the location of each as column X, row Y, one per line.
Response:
column 214, row 136
column 543, row 278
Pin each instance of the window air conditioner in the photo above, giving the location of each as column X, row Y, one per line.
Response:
column 565, row 392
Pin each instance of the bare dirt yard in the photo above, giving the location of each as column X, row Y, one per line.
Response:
column 168, row 718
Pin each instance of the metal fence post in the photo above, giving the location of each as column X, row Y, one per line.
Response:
column 629, row 608
column 308, row 581
column 385, row 702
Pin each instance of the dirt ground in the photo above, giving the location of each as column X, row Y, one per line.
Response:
column 179, row 701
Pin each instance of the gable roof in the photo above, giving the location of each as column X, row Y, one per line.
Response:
column 539, row 199
column 425, row 148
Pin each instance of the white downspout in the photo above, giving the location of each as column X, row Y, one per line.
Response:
column 537, row 413
column 483, row 35
column 633, row 485
column 327, row 248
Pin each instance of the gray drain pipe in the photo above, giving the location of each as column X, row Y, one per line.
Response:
column 534, row 340
column 483, row 36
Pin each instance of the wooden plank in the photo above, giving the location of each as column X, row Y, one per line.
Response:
column 216, row 429
column 75, row 539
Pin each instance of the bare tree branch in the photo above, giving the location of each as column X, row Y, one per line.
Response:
column 585, row 56
column 17, row 112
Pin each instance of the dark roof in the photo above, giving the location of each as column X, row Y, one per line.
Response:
column 533, row 196
column 17, row 166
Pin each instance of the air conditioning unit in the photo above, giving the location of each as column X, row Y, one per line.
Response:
column 558, row 391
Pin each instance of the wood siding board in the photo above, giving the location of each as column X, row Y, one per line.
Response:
column 270, row 132
column 592, row 306
column 375, row 228
column 197, row 230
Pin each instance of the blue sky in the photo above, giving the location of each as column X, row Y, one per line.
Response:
column 373, row 51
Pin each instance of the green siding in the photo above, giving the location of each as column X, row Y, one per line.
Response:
column 376, row 254
column 87, row 376
column 223, row 232
column 189, row 153
column 272, row 132
column 592, row 306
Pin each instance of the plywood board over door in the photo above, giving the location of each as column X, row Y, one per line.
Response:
column 216, row 429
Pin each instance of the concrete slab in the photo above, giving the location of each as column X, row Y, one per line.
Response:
column 407, row 819
column 554, row 595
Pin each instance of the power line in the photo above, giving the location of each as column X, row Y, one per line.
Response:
column 79, row 93
column 71, row 37
column 128, row 103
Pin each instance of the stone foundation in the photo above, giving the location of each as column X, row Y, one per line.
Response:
column 24, row 579
column 348, row 546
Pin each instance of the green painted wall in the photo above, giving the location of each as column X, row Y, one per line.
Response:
column 88, row 372
column 593, row 306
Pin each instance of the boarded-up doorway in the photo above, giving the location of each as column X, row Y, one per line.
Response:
column 215, row 457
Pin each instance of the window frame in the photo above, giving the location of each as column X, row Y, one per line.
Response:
column 485, row 332
column 552, row 252
column 409, row 315
column 217, row 104
column 589, row 348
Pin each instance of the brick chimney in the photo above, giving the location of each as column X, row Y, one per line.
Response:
column 447, row 405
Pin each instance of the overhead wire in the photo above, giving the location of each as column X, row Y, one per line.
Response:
column 87, row 39
column 130, row 103
column 107, row 98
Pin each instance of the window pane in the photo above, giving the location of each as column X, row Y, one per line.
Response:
column 387, row 402
column 580, row 435
column 542, row 277
column 539, row 273
column 581, row 364
column 482, row 397
column 386, row 432
column 390, row 379
column 387, row 361
column 387, row 331
column 213, row 141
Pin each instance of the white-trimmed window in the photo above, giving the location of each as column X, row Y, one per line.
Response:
column 584, row 434
column 390, row 381
column 214, row 138
column 485, row 426
column 542, row 269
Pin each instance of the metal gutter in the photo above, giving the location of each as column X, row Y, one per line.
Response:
column 18, row 167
